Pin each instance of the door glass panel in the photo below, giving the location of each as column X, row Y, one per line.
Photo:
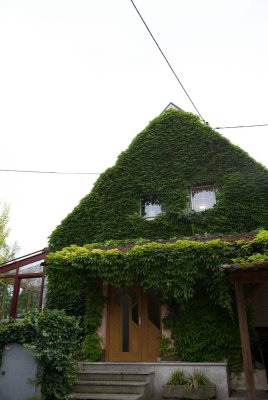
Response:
column 118, row 296
column 135, row 314
column 122, row 291
column 127, row 300
column 29, row 295
column 125, row 323
column 154, row 307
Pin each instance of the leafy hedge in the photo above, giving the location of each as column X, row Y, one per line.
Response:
column 53, row 338
column 174, row 153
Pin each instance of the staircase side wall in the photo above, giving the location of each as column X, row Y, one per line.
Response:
column 216, row 372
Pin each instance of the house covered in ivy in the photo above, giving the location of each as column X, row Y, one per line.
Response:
column 139, row 258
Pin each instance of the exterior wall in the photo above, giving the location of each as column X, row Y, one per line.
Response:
column 102, row 331
column 238, row 382
column 260, row 308
column 164, row 310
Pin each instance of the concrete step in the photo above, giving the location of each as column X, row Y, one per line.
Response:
column 121, row 367
column 104, row 396
column 126, row 387
column 113, row 381
column 112, row 376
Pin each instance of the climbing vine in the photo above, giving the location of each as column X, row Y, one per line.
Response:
column 184, row 271
column 174, row 153
column 100, row 240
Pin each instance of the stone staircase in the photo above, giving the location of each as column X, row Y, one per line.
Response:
column 113, row 381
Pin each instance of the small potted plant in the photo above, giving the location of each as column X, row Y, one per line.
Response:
column 194, row 386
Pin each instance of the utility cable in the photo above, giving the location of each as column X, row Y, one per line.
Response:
column 241, row 126
column 49, row 172
column 159, row 48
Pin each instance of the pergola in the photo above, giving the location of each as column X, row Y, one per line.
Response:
column 254, row 274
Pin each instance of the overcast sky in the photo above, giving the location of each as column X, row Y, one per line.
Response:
column 80, row 79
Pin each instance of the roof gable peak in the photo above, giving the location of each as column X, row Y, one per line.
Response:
column 171, row 106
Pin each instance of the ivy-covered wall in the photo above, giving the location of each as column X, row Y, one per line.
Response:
column 174, row 153
column 184, row 271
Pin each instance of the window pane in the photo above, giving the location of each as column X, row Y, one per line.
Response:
column 203, row 198
column 150, row 206
column 32, row 268
column 6, row 295
column 29, row 296
column 8, row 273
column 135, row 314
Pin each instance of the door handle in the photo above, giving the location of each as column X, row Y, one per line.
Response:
column 139, row 320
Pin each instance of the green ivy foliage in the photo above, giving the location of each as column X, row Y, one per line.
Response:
column 185, row 271
column 176, row 269
column 206, row 333
column 53, row 338
column 91, row 347
column 174, row 153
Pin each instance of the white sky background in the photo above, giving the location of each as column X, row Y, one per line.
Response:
column 80, row 79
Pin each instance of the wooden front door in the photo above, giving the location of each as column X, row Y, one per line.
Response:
column 133, row 329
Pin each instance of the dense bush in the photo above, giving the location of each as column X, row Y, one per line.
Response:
column 91, row 347
column 53, row 338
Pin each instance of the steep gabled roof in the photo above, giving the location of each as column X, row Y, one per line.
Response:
column 174, row 153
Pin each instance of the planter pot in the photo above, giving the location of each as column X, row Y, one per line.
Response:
column 182, row 392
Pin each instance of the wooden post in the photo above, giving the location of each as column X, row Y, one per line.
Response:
column 245, row 344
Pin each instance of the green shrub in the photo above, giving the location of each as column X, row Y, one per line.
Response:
column 91, row 347
column 52, row 336
column 167, row 349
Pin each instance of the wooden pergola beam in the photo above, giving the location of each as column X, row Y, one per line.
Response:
column 249, row 277
column 245, row 343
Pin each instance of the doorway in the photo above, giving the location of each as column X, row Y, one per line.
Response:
column 133, row 325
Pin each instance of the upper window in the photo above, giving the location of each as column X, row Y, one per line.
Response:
column 150, row 206
column 203, row 197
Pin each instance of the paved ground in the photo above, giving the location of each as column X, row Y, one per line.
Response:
column 261, row 395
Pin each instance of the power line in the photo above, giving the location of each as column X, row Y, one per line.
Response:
column 241, row 126
column 159, row 48
column 49, row 172
column 98, row 173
